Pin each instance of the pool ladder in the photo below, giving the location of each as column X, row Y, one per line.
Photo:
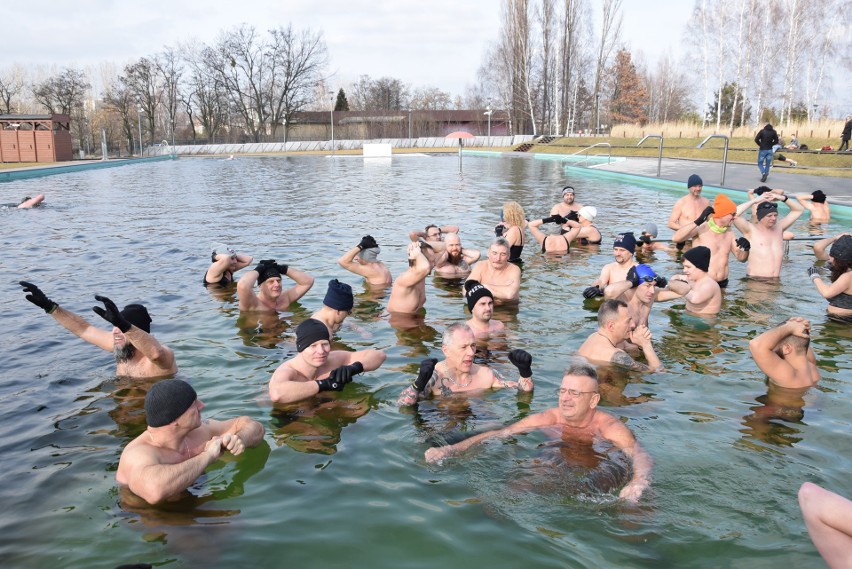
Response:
column 607, row 144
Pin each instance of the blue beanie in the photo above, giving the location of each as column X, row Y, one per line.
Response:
column 339, row 296
column 694, row 180
column 625, row 241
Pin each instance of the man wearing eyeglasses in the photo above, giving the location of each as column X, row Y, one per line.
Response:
column 616, row 326
column 580, row 420
column 433, row 233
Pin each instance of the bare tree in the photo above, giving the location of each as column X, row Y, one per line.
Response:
column 170, row 69
column 571, row 59
column 140, row 79
column 62, row 93
column 11, row 86
column 610, row 35
column 431, row 99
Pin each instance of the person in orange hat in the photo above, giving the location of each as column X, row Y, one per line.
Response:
column 712, row 229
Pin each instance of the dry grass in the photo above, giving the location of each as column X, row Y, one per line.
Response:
column 815, row 134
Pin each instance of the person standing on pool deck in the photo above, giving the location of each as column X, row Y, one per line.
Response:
column 457, row 373
column 615, row 327
column 623, row 249
column 712, row 230
column 689, row 206
column 765, row 140
column 271, row 297
column 408, row 294
column 501, row 277
column 177, row 447
column 317, row 367
column 362, row 259
column 225, row 261
column 580, row 420
column 137, row 352
column 784, row 354
column 766, row 237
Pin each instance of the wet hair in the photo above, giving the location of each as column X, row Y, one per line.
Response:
column 501, row 242
column 839, row 267
column 609, row 311
column 582, row 368
column 513, row 214
column 447, row 338
column 798, row 343
column 428, row 227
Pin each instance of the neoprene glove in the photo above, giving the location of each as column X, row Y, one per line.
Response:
column 662, row 282
column 646, row 239
column 367, row 242
column 111, row 314
column 427, row 368
column 743, row 244
column 263, row 264
column 573, row 216
column 708, row 211
column 551, row 219
column 593, row 291
column 813, row 273
column 498, row 230
column 522, row 360
column 339, row 377
column 559, row 219
column 633, row 277
column 38, row 298
column 281, row 268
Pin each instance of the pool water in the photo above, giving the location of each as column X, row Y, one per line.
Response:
column 340, row 481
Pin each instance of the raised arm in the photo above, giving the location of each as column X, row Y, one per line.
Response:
column 419, row 271
column 70, row 321
column 245, row 290
column 821, row 246
column 796, row 210
column 347, row 261
column 471, row 255
column 763, row 351
column 304, row 282
column 538, row 234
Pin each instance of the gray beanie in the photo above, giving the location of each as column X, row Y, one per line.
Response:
column 168, row 400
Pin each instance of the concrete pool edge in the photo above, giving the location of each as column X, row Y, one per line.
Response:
column 41, row 171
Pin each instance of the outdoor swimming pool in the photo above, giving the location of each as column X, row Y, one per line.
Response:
column 340, row 481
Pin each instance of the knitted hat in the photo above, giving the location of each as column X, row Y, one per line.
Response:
column 818, row 197
column 473, row 291
column 625, row 241
column 841, row 249
column 167, row 400
column 765, row 208
column 310, row 331
column 137, row 315
column 590, row 212
column 267, row 272
column 722, row 206
column 651, row 229
column 339, row 296
column 694, row 180
column 700, row 257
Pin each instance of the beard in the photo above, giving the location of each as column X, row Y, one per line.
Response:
column 455, row 259
column 124, row 353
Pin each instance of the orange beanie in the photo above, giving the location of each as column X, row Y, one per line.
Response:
column 722, row 206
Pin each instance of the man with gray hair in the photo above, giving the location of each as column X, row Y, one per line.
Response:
column 501, row 277
column 458, row 374
column 362, row 259
column 580, row 421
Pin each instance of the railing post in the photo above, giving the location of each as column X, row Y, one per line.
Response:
column 659, row 149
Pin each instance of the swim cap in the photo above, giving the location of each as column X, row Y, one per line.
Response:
column 651, row 229
column 841, row 249
column 765, row 208
column 473, row 291
column 567, row 190
column 267, row 272
column 222, row 249
column 700, row 257
column 370, row 255
column 310, row 331
column 167, row 400
column 645, row 273
column 694, row 180
column 339, row 296
column 625, row 241
column 818, row 197
column 137, row 315
column 722, row 206
column 589, row 212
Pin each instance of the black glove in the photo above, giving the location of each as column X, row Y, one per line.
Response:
column 522, row 360
column 593, row 291
column 111, row 314
column 340, row 377
column 661, row 282
column 38, row 298
column 427, row 368
column 551, row 219
column 498, row 230
column 646, row 239
column 559, row 219
column 813, row 273
column 264, row 264
column 708, row 211
column 633, row 277
column 281, row 268
column 573, row 216
column 367, row 242
column 743, row 244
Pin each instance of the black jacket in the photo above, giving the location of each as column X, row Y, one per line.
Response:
column 847, row 131
column 766, row 138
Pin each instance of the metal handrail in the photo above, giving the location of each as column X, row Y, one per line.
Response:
column 724, row 156
column 607, row 144
column 660, row 148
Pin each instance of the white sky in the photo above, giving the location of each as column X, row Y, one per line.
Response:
column 436, row 43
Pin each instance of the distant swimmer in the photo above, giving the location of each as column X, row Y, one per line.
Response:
column 816, row 203
column 615, row 327
column 766, row 237
column 270, row 296
column 622, row 249
column 137, row 352
column 457, row 373
column 317, row 367
column 363, row 259
column 580, row 421
column 177, row 446
column 480, row 302
column 648, row 240
column 784, row 354
column 501, row 277
column 408, row 294
column 336, row 305
column 29, row 202
column 225, row 261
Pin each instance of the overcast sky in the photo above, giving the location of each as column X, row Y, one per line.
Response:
column 436, row 43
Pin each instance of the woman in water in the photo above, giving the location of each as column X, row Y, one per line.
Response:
column 512, row 229
column 839, row 292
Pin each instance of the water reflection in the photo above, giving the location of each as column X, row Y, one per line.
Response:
column 777, row 420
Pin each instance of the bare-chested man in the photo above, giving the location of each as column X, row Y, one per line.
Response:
column 575, row 419
column 647, row 241
column 177, row 446
column 451, row 260
column 480, row 302
column 622, row 249
column 767, row 235
column 271, row 297
column 336, row 305
column 784, row 354
column 712, row 230
column 458, row 374
column 137, row 352
column 816, row 204
column 567, row 205
column 316, row 367
column 690, row 206
column 641, row 289
column 408, row 294
column 615, row 326
column 705, row 295
column 363, row 260
column 433, row 233
column 501, row 277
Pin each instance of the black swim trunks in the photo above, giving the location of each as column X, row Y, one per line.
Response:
column 723, row 283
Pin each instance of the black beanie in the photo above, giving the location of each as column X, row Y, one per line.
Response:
column 267, row 272
column 310, row 331
column 841, row 249
column 168, row 400
column 818, row 197
column 700, row 257
column 765, row 208
column 339, row 296
column 473, row 291
column 137, row 315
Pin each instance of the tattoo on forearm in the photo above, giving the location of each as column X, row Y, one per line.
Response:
column 623, row 359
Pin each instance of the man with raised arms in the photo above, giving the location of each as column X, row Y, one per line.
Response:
column 178, row 446
column 480, row 302
column 615, row 326
column 816, row 204
column 137, row 352
column 458, row 374
column 767, row 235
column 784, row 354
column 501, row 277
column 433, row 233
column 711, row 229
column 451, row 260
column 577, row 418
column 363, row 260
column 408, row 294
column 316, row 367
column 689, row 206
column 270, row 296
column 642, row 288
column 622, row 249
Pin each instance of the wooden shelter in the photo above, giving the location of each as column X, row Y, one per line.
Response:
column 35, row 138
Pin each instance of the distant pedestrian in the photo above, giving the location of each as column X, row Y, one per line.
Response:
column 765, row 140
column 845, row 135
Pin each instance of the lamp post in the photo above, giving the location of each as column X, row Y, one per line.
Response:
column 331, row 112
column 409, row 124
column 489, row 112
column 139, row 121
column 597, row 114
